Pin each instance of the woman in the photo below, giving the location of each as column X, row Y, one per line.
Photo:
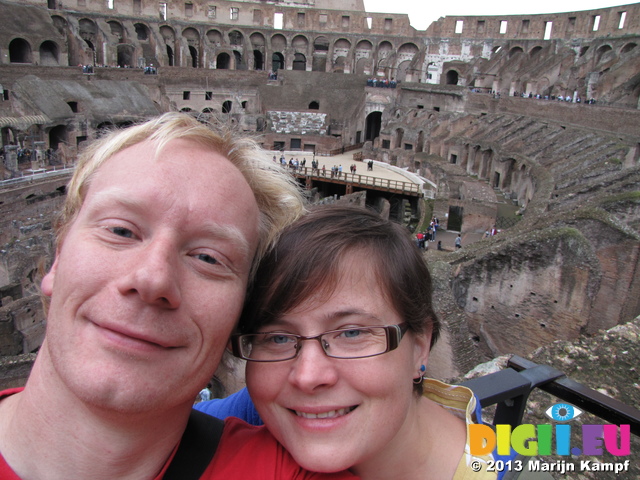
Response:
column 337, row 332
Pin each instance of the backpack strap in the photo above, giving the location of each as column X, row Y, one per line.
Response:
column 197, row 447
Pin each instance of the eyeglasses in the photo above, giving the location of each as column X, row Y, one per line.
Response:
column 356, row 342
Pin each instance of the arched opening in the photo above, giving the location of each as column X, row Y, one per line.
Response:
column 57, row 135
column 299, row 62
column 48, row 53
column 258, row 60
column 170, row 57
column 373, row 124
column 226, row 106
column 125, row 55
column 236, row 38
column 194, row 56
column 142, row 31
column 534, row 51
column 222, row 61
column 240, row 65
column 399, row 137
column 601, row 52
column 314, row 105
column 452, row 77
column 19, row 51
column 514, row 51
column 628, row 47
column 277, row 61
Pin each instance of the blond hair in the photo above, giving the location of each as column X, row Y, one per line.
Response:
column 278, row 196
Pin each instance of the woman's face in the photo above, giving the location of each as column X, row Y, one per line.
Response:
column 330, row 413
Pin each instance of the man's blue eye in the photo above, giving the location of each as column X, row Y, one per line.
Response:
column 122, row 232
column 207, row 258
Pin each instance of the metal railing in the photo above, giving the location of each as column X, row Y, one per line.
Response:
column 510, row 388
column 358, row 180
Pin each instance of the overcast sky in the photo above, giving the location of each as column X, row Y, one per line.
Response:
column 423, row 12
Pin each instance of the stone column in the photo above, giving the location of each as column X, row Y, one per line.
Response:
column 11, row 158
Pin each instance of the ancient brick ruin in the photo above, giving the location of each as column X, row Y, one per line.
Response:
column 476, row 110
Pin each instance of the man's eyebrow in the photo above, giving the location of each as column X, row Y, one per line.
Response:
column 227, row 233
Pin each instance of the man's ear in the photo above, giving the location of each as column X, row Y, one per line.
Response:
column 49, row 279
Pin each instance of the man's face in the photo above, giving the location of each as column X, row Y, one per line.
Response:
column 150, row 278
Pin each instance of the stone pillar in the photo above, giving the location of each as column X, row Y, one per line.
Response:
column 37, row 160
column 11, row 158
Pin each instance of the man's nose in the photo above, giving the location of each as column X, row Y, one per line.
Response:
column 154, row 275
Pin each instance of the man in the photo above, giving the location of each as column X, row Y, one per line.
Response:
column 160, row 232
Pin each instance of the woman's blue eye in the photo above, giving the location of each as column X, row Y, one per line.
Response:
column 280, row 339
column 352, row 333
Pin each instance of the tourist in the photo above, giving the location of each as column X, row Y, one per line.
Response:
column 160, row 230
column 458, row 242
column 338, row 335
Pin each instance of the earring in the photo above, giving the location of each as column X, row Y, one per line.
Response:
column 418, row 380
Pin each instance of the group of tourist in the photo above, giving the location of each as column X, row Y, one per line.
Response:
column 381, row 83
column 428, row 235
column 150, row 277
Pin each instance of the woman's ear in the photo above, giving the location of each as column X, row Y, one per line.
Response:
column 422, row 347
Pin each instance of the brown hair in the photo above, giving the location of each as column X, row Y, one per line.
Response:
column 307, row 259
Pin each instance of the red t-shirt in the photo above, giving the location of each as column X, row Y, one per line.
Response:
column 245, row 452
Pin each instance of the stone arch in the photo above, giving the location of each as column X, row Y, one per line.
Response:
column 399, row 136
column 278, row 43
column 60, row 23
column 320, row 51
column 227, row 105
column 341, row 48
column 535, row 51
column 401, row 71
column 142, row 32
column 420, row 142
column 258, row 43
column 321, row 44
column 240, row 64
column 628, row 47
column 126, row 54
column 117, row 30
column 88, row 31
column 299, row 62
column 49, row 53
column 363, row 56
column 300, row 44
column 602, row 51
column 452, row 77
column 373, row 124
column 223, row 61
column 169, row 37
column 515, row 51
column 385, row 57
column 192, row 38
column 236, row 38
column 20, row 51
column 314, row 105
column 214, row 36
column 277, row 61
